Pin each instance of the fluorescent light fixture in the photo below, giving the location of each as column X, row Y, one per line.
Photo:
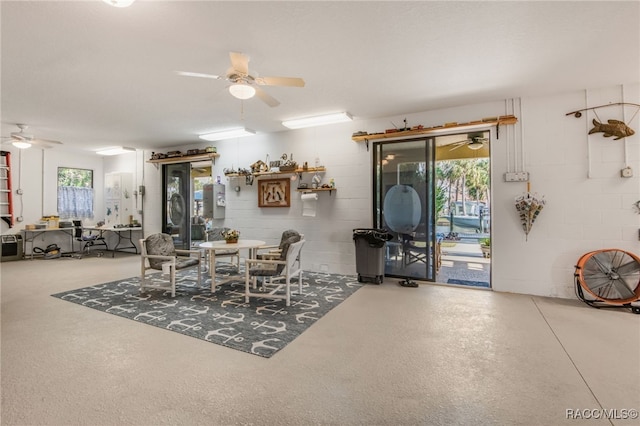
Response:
column 21, row 144
column 299, row 123
column 242, row 91
column 227, row 134
column 119, row 3
column 115, row 150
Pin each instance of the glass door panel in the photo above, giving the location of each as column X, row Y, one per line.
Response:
column 404, row 205
column 176, row 193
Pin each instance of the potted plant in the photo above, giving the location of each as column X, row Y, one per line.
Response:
column 231, row 236
column 485, row 246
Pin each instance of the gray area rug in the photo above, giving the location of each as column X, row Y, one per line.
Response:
column 261, row 327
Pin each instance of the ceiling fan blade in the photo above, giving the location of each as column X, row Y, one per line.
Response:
column 197, row 74
column 239, row 62
column 45, row 142
column 266, row 98
column 459, row 144
column 280, row 81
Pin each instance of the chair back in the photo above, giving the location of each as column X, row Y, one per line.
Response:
column 290, row 247
column 77, row 229
column 215, row 234
column 158, row 244
column 286, row 235
column 292, row 253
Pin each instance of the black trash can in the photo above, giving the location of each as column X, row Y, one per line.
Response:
column 370, row 244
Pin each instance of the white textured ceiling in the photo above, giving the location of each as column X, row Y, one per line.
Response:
column 92, row 75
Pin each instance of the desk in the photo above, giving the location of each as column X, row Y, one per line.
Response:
column 212, row 246
column 31, row 234
column 124, row 234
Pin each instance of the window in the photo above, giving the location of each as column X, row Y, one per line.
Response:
column 75, row 193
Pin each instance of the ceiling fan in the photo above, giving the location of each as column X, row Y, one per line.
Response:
column 24, row 140
column 473, row 143
column 244, row 85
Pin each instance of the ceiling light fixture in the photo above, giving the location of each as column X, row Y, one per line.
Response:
column 299, row 123
column 21, row 144
column 242, row 91
column 115, row 150
column 119, row 3
column 227, row 134
column 475, row 145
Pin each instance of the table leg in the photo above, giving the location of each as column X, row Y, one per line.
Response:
column 212, row 269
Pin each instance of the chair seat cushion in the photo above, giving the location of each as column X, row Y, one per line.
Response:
column 186, row 262
column 226, row 252
column 263, row 272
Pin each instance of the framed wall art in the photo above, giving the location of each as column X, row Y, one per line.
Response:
column 274, row 192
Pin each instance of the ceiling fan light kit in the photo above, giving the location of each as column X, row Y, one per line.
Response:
column 242, row 91
column 119, row 3
column 227, row 134
column 475, row 145
column 115, row 150
column 21, row 144
column 319, row 120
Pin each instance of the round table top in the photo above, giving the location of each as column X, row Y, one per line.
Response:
column 222, row 244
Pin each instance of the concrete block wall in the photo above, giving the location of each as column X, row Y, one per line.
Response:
column 589, row 206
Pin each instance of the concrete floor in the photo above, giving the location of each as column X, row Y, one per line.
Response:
column 388, row 355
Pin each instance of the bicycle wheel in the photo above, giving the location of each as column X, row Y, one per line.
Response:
column 610, row 276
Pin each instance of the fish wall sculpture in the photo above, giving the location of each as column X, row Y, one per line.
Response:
column 612, row 128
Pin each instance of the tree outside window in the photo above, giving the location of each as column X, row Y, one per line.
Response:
column 75, row 193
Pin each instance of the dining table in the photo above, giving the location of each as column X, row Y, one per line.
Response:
column 242, row 244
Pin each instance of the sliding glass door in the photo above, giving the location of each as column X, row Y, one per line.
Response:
column 404, row 204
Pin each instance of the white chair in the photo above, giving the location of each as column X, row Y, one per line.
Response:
column 272, row 251
column 285, row 268
column 158, row 252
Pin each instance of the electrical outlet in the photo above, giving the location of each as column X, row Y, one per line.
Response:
column 516, row 176
column 627, row 172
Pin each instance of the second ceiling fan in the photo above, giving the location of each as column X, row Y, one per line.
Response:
column 245, row 85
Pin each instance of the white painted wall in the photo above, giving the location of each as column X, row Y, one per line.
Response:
column 583, row 212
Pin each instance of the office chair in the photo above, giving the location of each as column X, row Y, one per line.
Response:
column 88, row 238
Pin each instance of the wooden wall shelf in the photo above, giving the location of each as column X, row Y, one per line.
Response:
column 308, row 170
column 493, row 121
column 186, row 158
column 316, row 190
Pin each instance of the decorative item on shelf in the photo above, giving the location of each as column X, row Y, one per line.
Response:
column 211, row 150
column 231, row 236
column 158, row 156
column 259, row 166
column 332, row 183
column 174, row 154
column 230, row 171
column 193, row 152
column 287, row 165
column 315, row 181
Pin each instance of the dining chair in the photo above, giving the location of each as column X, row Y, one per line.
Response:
column 274, row 251
column 216, row 234
column 287, row 266
column 158, row 252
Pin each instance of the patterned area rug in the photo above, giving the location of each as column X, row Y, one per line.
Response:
column 261, row 327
